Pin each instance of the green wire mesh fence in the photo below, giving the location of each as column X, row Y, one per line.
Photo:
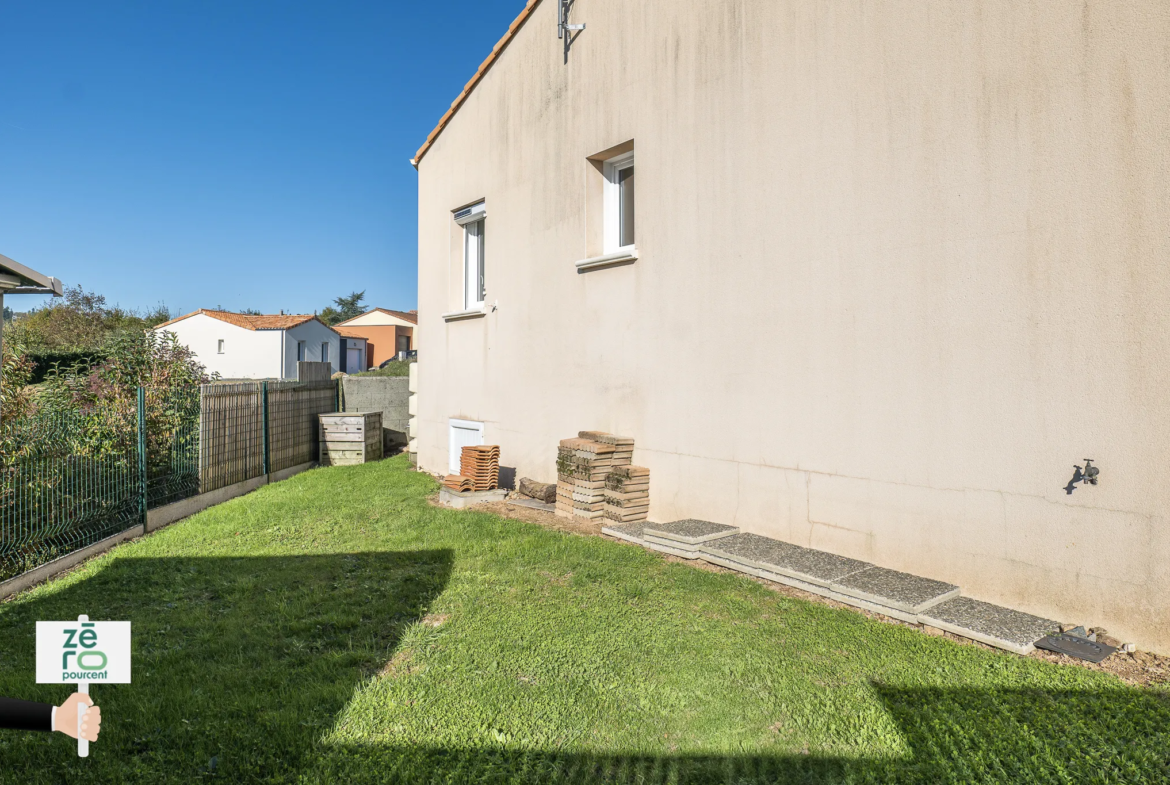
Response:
column 171, row 424
column 68, row 480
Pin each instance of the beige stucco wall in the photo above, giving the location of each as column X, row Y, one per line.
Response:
column 902, row 264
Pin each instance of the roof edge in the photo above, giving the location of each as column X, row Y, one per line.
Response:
column 39, row 280
column 403, row 315
column 457, row 104
column 218, row 315
column 169, row 322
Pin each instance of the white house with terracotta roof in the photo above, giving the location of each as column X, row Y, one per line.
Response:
column 240, row 346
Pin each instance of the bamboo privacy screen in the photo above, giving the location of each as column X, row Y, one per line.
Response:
column 292, row 420
column 232, row 447
column 231, row 434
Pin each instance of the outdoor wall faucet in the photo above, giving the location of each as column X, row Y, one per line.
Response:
column 1087, row 474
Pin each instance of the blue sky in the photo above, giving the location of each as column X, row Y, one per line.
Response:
column 244, row 154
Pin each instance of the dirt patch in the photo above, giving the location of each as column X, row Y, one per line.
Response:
column 1141, row 668
column 549, row 520
column 398, row 666
column 435, row 619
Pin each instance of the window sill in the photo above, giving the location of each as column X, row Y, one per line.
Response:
column 459, row 316
column 615, row 259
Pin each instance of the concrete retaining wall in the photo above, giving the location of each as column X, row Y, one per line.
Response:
column 385, row 394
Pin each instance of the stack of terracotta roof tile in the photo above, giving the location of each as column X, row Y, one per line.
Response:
column 582, row 466
column 482, row 465
column 627, row 494
column 458, row 483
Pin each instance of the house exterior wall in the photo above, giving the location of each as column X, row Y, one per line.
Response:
column 382, row 340
column 901, row 266
column 377, row 319
column 313, row 333
column 248, row 354
column 347, row 344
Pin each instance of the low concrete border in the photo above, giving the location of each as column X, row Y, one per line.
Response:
column 155, row 520
column 66, row 562
column 168, row 514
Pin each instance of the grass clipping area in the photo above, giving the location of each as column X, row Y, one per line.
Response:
column 336, row 628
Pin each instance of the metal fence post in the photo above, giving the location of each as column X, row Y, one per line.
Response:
column 264, row 417
column 142, row 502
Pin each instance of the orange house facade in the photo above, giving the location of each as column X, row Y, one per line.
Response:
column 386, row 332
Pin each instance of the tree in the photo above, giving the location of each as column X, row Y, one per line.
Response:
column 79, row 322
column 347, row 308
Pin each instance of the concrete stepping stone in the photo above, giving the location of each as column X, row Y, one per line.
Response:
column 690, row 531
column 896, row 594
column 898, row 590
column 1003, row 628
column 809, row 570
column 683, row 538
column 631, row 532
column 770, row 558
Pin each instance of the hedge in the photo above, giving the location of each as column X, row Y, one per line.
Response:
column 45, row 361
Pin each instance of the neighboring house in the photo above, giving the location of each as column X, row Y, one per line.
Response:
column 894, row 269
column 239, row 346
column 355, row 351
column 387, row 332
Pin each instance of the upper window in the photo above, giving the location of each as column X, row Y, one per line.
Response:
column 473, row 220
column 301, row 351
column 619, row 203
column 220, row 346
column 324, row 352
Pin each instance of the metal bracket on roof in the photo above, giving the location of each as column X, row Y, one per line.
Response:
column 564, row 29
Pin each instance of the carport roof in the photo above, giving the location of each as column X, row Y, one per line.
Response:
column 15, row 278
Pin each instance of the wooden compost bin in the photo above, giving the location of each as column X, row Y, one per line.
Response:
column 350, row 437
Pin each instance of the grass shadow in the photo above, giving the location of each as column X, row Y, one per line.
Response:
column 240, row 665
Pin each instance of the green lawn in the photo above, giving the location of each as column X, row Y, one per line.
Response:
column 336, row 628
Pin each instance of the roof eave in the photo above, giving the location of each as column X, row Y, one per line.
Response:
column 27, row 280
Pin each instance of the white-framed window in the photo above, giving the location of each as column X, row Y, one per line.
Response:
column 325, row 352
column 220, row 347
column 619, row 203
column 301, row 351
column 473, row 220
column 461, row 433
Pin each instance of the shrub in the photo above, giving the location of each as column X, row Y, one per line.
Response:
column 47, row 361
column 15, row 376
column 107, row 393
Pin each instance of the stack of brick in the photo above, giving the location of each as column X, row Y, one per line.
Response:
column 582, row 467
column 481, row 465
column 623, row 446
column 627, row 494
